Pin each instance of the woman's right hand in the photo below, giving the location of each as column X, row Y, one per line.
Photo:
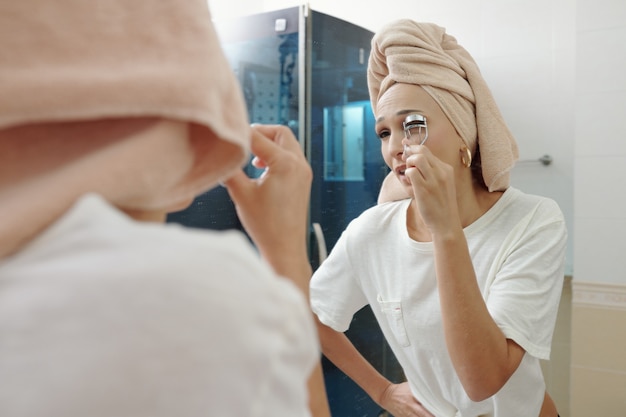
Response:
column 400, row 402
column 273, row 207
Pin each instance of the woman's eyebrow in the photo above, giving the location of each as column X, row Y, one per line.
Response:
column 400, row 113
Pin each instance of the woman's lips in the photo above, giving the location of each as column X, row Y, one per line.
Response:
column 400, row 173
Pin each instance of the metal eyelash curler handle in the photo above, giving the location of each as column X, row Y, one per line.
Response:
column 415, row 121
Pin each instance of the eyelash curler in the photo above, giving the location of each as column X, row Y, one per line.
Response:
column 415, row 130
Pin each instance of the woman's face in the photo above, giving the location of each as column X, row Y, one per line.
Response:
column 394, row 106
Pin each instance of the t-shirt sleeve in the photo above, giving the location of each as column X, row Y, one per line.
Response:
column 524, row 296
column 335, row 293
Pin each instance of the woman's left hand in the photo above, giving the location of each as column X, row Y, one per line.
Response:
column 400, row 402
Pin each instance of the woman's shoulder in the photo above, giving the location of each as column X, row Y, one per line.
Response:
column 379, row 217
column 95, row 241
column 95, row 256
column 533, row 204
column 516, row 209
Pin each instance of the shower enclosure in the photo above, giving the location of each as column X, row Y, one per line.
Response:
column 307, row 70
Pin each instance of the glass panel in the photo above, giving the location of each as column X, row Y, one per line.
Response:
column 263, row 53
column 343, row 142
column 343, row 149
column 348, row 170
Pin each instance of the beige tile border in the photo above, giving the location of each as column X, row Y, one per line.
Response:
column 599, row 294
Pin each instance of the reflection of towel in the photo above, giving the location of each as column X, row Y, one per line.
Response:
column 91, row 61
column 405, row 51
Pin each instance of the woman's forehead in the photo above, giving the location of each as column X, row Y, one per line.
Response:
column 401, row 99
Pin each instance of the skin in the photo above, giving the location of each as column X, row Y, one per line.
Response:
column 391, row 190
column 445, row 199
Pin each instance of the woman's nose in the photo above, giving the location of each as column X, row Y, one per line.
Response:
column 397, row 143
column 406, row 142
column 403, row 147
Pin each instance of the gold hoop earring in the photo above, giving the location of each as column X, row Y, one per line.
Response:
column 466, row 157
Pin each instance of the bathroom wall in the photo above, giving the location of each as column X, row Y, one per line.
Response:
column 598, row 366
column 558, row 71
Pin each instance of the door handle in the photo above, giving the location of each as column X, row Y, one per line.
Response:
column 321, row 242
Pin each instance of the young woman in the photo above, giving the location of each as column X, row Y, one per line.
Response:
column 464, row 276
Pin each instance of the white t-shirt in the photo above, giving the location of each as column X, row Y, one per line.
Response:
column 518, row 250
column 102, row 316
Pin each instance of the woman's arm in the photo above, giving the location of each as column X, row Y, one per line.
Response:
column 395, row 398
column 339, row 350
column 484, row 359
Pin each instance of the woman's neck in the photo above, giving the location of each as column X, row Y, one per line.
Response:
column 475, row 202
column 472, row 203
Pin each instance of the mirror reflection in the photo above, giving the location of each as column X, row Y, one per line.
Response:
column 308, row 74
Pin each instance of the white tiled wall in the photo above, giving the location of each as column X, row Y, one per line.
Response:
column 598, row 370
column 600, row 148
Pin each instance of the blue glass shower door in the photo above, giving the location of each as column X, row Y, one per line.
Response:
column 307, row 70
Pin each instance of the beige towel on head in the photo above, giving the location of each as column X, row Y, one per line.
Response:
column 69, row 61
column 405, row 51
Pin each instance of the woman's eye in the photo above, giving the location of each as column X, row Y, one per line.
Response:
column 383, row 134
